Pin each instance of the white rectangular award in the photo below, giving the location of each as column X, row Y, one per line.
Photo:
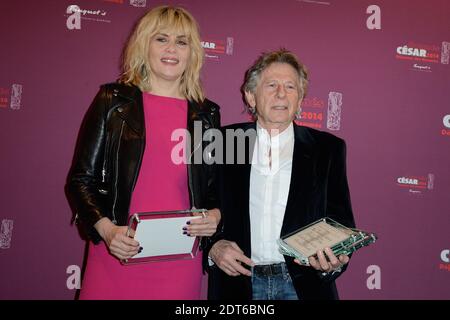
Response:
column 160, row 234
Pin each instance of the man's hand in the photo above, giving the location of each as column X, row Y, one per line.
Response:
column 322, row 264
column 229, row 257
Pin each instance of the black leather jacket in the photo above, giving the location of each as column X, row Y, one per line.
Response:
column 109, row 152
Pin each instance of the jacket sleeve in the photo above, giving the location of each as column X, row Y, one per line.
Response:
column 85, row 176
column 339, row 206
column 217, row 190
column 218, row 235
column 212, row 199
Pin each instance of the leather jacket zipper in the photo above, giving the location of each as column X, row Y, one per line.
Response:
column 138, row 167
column 191, row 187
column 104, row 191
column 105, row 157
column 117, row 174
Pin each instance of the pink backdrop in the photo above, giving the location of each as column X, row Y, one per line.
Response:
column 392, row 109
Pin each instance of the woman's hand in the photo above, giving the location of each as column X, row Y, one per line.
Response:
column 205, row 226
column 116, row 239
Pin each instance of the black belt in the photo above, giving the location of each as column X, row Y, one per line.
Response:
column 269, row 269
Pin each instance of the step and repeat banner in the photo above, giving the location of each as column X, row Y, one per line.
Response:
column 380, row 79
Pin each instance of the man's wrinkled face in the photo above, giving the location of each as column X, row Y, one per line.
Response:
column 277, row 96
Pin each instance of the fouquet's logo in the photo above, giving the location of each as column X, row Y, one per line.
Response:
column 215, row 48
column 421, row 67
column 416, row 184
column 75, row 14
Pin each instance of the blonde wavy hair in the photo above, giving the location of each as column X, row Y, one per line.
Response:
column 135, row 63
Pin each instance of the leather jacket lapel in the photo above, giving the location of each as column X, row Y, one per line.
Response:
column 302, row 180
column 129, row 107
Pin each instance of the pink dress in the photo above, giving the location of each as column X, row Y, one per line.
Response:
column 161, row 185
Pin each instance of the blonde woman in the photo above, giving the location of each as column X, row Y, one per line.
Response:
column 123, row 162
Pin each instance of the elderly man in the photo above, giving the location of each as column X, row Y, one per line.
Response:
column 292, row 176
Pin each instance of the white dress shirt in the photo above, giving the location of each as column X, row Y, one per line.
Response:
column 270, row 178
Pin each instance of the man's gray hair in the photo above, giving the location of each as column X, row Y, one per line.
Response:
column 253, row 73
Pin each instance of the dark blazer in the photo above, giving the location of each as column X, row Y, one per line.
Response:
column 318, row 189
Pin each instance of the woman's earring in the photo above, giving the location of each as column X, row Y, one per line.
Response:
column 298, row 115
